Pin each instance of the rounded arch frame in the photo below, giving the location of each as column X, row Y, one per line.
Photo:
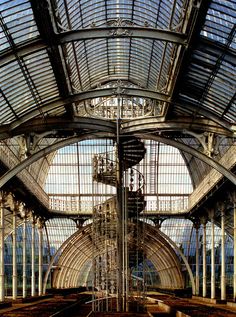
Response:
column 96, row 135
column 159, row 242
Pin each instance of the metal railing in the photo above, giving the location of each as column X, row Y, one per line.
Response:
column 167, row 205
column 70, row 205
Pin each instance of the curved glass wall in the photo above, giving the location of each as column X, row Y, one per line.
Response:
column 19, row 258
column 70, row 178
column 59, row 230
column 55, row 232
column 183, row 233
column 70, row 183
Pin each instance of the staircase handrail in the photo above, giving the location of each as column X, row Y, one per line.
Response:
column 141, row 179
column 95, row 167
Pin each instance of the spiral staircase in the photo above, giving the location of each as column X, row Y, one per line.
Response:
column 106, row 220
column 105, row 171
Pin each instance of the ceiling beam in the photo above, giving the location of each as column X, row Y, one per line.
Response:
column 120, row 90
column 214, row 48
column 220, row 125
column 192, row 43
column 153, row 124
column 44, row 20
column 64, row 125
column 156, row 124
column 207, row 113
column 91, row 94
column 38, row 44
column 121, row 32
column 94, row 135
column 213, row 123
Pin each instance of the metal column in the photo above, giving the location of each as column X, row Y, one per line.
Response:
column 2, row 280
column 40, row 277
column 223, row 277
column 213, row 293
column 234, row 298
column 24, row 278
column 197, row 259
column 14, row 263
column 33, row 259
column 204, row 267
column 120, row 216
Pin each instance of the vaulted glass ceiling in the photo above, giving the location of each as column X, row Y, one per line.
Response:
column 59, row 58
column 170, row 65
column 144, row 61
column 179, row 52
column 209, row 81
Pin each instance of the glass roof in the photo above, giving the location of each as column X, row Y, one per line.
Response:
column 220, row 22
column 132, row 59
column 82, row 45
column 82, row 14
column 210, row 79
column 22, row 85
column 17, row 23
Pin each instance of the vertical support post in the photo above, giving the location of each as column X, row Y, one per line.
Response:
column 204, row 264
column 125, row 203
column 223, row 277
column 212, row 256
column 14, row 263
column 33, row 258
column 2, row 280
column 40, row 277
column 24, row 278
column 234, row 298
column 120, row 216
column 196, row 225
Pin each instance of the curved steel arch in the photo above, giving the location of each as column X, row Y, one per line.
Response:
column 63, row 124
column 132, row 126
column 41, row 153
column 95, row 33
column 122, row 90
column 174, row 245
column 122, row 32
column 71, row 264
column 210, row 161
column 62, row 247
column 157, row 124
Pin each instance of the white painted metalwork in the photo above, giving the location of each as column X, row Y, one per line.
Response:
column 197, row 280
column 204, row 263
column 14, row 260
column 40, row 255
column 223, row 272
column 24, row 276
column 33, row 284
column 213, row 291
